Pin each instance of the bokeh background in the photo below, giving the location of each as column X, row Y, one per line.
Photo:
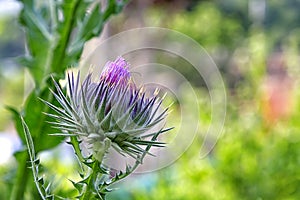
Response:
column 255, row 44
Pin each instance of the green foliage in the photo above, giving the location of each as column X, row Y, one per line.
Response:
column 205, row 23
column 56, row 32
column 250, row 161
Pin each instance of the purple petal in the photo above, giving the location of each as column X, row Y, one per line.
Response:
column 116, row 73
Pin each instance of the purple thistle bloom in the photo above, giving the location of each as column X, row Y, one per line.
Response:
column 116, row 72
column 109, row 113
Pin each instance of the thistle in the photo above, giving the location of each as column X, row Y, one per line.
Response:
column 110, row 112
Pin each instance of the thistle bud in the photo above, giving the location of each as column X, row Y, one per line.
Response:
column 110, row 112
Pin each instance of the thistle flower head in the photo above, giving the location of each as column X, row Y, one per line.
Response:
column 110, row 112
column 116, row 72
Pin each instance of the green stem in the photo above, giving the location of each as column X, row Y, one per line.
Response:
column 23, row 173
column 90, row 182
column 59, row 52
column 21, row 179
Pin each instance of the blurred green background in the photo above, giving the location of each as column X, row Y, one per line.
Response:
column 255, row 44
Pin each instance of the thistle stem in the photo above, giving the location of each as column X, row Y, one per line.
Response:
column 21, row 179
column 90, row 182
